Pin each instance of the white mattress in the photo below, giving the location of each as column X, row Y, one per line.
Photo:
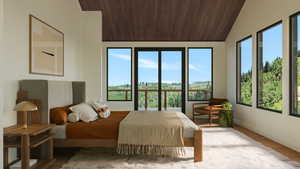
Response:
column 59, row 131
column 189, row 127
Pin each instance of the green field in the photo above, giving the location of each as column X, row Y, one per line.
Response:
column 173, row 96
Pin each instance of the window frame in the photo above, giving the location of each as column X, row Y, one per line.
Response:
column 107, row 78
column 291, row 113
column 238, row 72
column 257, row 63
column 188, row 72
column 159, row 50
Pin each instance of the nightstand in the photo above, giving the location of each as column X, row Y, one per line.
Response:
column 36, row 141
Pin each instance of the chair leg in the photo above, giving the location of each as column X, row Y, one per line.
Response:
column 193, row 117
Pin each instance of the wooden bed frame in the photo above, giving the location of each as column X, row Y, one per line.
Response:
column 195, row 142
column 35, row 117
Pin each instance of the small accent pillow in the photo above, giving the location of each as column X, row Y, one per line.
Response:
column 85, row 111
column 102, row 109
column 59, row 116
column 73, row 117
column 99, row 106
column 104, row 114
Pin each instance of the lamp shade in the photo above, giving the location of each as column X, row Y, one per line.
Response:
column 25, row 106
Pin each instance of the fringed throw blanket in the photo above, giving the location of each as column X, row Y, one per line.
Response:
column 151, row 133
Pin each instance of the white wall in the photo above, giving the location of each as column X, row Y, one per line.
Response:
column 81, row 33
column 219, row 67
column 63, row 15
column 91, row 53
column 254, row 16
column 1, row 86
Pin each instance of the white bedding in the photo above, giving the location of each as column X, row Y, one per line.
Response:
column 59, row 131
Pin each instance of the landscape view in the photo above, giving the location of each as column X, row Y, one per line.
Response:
column 271, row 91
column 270, row 71
column 119, row 87
column 198, row 91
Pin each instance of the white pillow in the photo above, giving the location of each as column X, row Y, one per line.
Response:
column 73, row 117
column 85, row 111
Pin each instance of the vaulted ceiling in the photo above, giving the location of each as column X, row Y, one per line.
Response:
column 165, row 20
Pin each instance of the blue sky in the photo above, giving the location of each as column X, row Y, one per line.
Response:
column 246, row 55
column 199, row 65
column 119, row 66
column 272, row 47
column 272, row 43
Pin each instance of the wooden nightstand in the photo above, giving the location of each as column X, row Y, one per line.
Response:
column 36, row 138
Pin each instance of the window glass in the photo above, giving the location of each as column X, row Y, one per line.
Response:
column 269, row 72
column 200, row 74
column 119, row 74
column 244, row 69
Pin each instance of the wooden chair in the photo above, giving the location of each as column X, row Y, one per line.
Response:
column 212, row 110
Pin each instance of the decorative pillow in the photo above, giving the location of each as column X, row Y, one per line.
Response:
column 104, row 114
column 101, row 109
column 73, row 117
column 99, row 106
column 85, row 111
column 58, row 116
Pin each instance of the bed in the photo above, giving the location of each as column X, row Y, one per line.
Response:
column 67, row 135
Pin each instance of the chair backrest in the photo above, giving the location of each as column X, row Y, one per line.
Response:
column 217, row 101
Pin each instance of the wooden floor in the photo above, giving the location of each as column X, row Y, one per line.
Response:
column 291, row 154
column 63, row 155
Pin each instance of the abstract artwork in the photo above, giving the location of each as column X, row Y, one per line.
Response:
column 46, row 48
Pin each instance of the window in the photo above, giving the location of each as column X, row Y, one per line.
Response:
column 295, row 64
column 200, row 85
column 119, row 74
column 269, row 68
column 244, row 71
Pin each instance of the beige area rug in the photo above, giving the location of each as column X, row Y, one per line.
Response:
column 224, row 148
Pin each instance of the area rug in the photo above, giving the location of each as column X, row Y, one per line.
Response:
column 224, row 148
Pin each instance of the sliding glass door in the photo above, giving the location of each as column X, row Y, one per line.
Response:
column 159, row 79
column 147, row 85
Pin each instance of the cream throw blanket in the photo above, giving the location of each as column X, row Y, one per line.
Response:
column 152, row 133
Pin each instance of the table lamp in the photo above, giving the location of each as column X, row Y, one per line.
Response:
column 25, row 107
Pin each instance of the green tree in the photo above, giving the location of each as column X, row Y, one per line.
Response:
column 266, row 67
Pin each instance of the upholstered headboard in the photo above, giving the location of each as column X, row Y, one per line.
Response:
column 53, row 94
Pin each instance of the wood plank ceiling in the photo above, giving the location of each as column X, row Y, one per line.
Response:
column 165, row 20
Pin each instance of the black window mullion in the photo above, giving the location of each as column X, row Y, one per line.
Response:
column 259, row 67
column 238, row 67
column 183, row 81
column 294, row 56
column 159, row 79
column 136, row 93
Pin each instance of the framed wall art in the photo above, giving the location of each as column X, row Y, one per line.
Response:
column 46, row 48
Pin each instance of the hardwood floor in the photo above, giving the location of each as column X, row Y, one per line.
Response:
column 63, row 155
column 291, row 154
